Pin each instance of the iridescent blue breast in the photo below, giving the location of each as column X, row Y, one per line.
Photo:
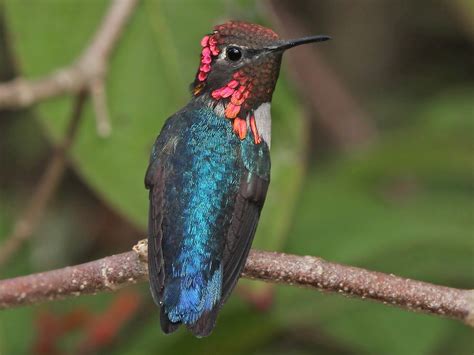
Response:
column 203, row 176
column 207, row 188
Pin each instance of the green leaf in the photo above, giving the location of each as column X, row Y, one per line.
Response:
column 147, row 81
column 405, row 207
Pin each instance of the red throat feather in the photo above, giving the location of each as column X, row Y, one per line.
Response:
column 245, row 88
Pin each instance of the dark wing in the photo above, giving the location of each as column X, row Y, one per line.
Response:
column 249, row 203
column 154, row 182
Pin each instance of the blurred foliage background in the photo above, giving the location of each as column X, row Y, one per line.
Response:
column 387, row 184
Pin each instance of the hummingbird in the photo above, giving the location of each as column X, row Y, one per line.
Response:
column 208, row 175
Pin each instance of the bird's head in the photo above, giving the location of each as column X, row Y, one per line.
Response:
column 238, row 70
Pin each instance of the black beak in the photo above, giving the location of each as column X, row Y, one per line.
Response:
column 284, row 45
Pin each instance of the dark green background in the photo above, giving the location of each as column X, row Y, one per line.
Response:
column 402, row 205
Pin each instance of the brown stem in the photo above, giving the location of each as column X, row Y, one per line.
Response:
column 45, row 189
column 84, row 76
column 120, row 270
column 87, row 73
column 464, row 11
column 339, row 114
column 314, row 272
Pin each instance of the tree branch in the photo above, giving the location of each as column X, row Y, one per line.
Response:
column 45, row 188
column 87, row 73
column 117, row 271
column 341, row 116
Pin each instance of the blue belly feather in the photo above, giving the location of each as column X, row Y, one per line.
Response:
column 203, row 178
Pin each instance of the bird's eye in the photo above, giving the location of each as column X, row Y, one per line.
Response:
column 233, row 53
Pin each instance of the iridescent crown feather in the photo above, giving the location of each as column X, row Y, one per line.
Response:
column 239, row 86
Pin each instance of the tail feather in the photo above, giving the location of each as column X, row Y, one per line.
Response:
column 192, row 301
column 201, row 328
column 167, row 326
column 205, row 324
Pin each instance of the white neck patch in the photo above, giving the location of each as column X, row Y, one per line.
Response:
column 263, row 119
column 219, row 108
column 262, row 114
